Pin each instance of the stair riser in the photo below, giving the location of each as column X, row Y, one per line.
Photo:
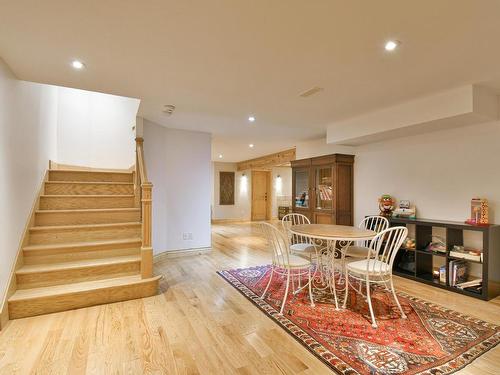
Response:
column 55, row 236
column 49, row 278
column 40, row 258
column 44, row 305
column 68, row 203
column 84, row 176
column 88, row 189
column 75, row 218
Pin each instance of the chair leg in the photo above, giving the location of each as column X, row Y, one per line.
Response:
column 310, row 288
column 346, row 289
column 369, row 298
column 403, row 315
column 268, row 283
column 286, row 291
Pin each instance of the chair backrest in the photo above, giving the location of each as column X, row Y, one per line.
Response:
column 279, row 244
column 374, row 223
column 295, row 219
column 384, row 247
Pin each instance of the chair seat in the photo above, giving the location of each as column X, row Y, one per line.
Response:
column 357, row 251
column 375, row 267
column 302, row 247
column 298, row 262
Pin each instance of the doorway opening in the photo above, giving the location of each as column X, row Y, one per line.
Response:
column 261, row 195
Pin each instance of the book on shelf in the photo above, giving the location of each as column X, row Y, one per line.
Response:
column 442, row 274
column 469, row 284
column 466, row 253
column 457, row 272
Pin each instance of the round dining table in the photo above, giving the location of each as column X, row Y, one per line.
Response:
column 338, row 238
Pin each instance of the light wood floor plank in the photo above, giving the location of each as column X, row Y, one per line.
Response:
column 198, row 324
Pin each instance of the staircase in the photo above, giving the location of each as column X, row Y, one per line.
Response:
column 84, row 247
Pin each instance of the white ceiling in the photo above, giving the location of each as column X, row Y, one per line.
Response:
column 219, row 61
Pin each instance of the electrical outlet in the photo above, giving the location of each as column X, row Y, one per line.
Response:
column 187, row 236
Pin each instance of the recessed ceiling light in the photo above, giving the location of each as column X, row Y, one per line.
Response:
column 391, row 45
column 220, row 156
column 77, row 64
column 251, row 118
column 250, row 145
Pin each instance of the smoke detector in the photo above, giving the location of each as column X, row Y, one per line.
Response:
column 311, row 91
column 168, row 109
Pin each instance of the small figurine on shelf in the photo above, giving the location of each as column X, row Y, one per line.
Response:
column 409, row 244
column 386, row 205
column 479, row 212
column 405, row 210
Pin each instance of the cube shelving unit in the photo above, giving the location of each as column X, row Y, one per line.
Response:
column 489, row 267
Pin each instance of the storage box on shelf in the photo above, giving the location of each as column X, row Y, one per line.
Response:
column 420, row 263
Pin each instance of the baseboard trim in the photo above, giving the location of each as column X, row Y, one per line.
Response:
column 179, row 253
column 227, row 221
column 18, row 262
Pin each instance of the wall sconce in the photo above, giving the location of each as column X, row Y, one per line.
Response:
column 243, row 184
column 279, row 185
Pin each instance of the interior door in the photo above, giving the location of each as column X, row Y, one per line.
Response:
column 261, row 196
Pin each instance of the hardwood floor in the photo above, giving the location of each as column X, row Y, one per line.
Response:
column 199, row 324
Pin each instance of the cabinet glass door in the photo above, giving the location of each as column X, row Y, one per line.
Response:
column 302, row 188
column 324, row 188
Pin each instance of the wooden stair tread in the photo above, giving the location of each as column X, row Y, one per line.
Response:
column 35, row 268
column 89, row 196
column 86, row 286
column 83, row 210
column 80, row 244
column 83, row 226
column 90, row 182
column 85, row 171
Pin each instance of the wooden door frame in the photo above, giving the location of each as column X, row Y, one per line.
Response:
column 269, row 194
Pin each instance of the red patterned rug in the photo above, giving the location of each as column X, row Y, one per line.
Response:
column 432, row 340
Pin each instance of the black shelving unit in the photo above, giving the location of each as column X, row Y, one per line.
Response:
column 490, row 266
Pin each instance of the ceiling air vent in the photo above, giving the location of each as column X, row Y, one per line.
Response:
column 311, row 91
column 169, row 109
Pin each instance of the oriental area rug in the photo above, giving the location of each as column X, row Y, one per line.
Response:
column 432, row 340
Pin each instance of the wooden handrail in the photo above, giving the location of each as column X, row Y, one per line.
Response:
column 144, row 199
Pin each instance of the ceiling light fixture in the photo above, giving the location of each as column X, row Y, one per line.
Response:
column 220, row 156
column 251, row 118
column 391, row 45
column 251, row 145
column 77, row 64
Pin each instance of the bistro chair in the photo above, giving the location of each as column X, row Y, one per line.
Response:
column 377, row 267
column 284, row 263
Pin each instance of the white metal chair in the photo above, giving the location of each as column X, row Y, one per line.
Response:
column 284, row 263
column 298, row 244
column 377, row 267
column 374, row 223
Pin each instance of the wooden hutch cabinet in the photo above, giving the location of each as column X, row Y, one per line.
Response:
column 323, row 189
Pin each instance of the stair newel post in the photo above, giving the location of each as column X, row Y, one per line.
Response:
column 137, row 175
column 146, row 249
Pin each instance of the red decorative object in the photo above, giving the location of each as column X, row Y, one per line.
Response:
column 432, row 340
column 479, row 212
column 386, row 205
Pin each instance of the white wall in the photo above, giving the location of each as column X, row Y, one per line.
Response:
column 242, row 208
column 95, row 129
column 28, row 120
column 179, row 167
column 319, row 147
column 440, row 172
